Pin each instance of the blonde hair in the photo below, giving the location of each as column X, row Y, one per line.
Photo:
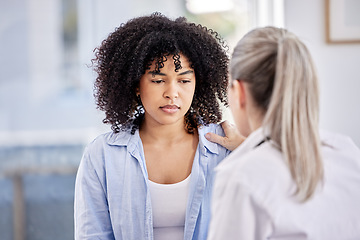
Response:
column 283, row 83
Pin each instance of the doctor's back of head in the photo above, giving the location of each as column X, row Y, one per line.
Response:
column 280, row 75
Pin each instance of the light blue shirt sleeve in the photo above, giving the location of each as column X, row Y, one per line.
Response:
column 92, row 219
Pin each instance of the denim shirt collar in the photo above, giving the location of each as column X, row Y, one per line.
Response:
column 206, row 145
column 124, row 138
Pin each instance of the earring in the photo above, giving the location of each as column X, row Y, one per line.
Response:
column 138, row 99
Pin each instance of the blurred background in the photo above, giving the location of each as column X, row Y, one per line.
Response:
column 47, row 110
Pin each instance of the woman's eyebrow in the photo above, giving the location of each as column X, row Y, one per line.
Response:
column 156, row 73
column 186, row 72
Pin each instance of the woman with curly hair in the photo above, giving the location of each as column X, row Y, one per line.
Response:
column 159, row 82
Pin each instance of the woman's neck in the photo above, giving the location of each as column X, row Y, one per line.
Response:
column 169, row 151
column 255, row 117
column 165, row 134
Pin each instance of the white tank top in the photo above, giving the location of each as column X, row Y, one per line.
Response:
column 169, row 203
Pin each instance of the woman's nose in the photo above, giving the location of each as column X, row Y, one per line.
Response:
column 171, row 91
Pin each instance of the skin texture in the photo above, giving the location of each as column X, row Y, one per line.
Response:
column 166, row 97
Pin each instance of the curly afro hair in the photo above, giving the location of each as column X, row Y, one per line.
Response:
column 123, row 57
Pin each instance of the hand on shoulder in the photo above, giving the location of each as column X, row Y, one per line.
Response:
column 232, row 138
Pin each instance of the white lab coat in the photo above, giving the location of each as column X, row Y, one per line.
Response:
column 253, row 194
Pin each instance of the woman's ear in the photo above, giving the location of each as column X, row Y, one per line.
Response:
column 242, row 93
column 239, row 92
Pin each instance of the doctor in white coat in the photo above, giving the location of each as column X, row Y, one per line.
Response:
column 287, row 180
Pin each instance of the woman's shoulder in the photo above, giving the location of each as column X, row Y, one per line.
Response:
column 340, row 152
column 109, row 139
column 337, row 141
column 108, row 146
column 215, row 150
column 213, row 127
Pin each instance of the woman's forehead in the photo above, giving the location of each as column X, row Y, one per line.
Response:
column 170, row 59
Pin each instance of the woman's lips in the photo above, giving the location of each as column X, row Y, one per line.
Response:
column 170, row 108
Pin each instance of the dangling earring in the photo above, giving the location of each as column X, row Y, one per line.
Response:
column 138, row 101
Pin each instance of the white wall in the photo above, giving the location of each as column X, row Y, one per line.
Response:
column 338, row 67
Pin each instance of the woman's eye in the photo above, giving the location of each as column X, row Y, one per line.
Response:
column 157, row 81
column 185, row 81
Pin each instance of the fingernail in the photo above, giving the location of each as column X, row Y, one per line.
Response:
column 208, row 136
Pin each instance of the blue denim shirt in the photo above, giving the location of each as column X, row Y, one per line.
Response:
column 112, row 197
